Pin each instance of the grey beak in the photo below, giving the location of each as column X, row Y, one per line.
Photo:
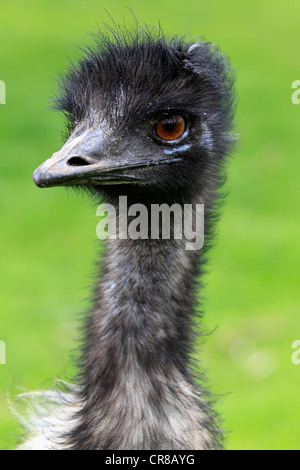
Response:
column 84, row 160
column 79, row 161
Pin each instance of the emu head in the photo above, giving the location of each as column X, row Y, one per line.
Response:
column 143, row 112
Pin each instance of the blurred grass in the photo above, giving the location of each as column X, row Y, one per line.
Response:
column 48, row 241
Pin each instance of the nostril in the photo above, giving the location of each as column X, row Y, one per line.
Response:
column 78, row 161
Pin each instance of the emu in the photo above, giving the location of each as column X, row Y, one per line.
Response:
column 149, row 118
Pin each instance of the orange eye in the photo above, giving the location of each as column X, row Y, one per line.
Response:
column 170, row 127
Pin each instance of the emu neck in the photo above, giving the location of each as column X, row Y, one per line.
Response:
column 144, row 304
column 138, row 391
column 142, row 318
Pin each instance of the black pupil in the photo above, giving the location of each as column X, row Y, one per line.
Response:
column 170, row 125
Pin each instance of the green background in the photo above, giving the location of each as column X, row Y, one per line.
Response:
column 48, row 240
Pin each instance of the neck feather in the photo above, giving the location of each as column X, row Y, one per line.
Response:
column 138, row 390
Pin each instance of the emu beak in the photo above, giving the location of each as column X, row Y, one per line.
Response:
column 80, row 161
column 84, row 159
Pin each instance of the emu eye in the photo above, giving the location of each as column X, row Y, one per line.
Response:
column 170, row 128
